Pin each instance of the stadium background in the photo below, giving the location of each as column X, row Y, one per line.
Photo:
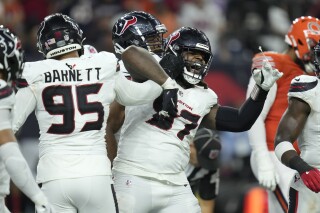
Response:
column 235, row 28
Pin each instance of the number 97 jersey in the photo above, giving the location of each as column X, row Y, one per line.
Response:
column 150, row 147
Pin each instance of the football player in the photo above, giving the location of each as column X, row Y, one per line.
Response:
column 203, row 168
column 153, row 150
column 134, row 28
column 12, row 163
column 301, row 122
column 71, row 97
column 302, row 36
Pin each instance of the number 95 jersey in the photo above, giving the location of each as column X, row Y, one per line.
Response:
column 161, row 150
column 72, row 105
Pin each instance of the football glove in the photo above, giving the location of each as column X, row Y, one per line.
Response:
column 311, row 179
column 172, row 64
column 266, row 173
column 169, row 103
column 266, row 76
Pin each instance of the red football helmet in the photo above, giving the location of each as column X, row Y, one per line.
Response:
column 303, row 36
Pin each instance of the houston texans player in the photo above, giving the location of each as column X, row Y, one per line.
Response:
column 134, row 28
column 301, row 122
column 153, row 150
column 12, row 163
column 71, row 97
column 301, row 37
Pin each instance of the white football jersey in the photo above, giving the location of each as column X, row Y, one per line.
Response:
column 161, row 150
column 307, row 88
column 6, row 104
column 72, row 105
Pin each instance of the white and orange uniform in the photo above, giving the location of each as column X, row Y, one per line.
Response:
column 262, row 133
column 307, row 88
column 71, row 99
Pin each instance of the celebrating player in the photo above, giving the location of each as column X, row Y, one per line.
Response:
column 153, row 150
column 71, row 97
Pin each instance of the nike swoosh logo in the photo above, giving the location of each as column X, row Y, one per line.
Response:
column 297, row 79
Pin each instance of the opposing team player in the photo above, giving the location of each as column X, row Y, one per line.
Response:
column 203, row 169
column 12, row 163
column 301, row 122
column 71, row 97
column 270, row 172
column 134, row 28
column 153, row 150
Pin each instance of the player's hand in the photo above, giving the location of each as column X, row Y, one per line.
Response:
column 44, row 208
column 169, row 103
column 311, row 179
column 266, row 76
column 172, row 64
column 266, row 173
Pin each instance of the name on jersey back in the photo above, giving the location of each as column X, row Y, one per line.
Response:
column 89, row 74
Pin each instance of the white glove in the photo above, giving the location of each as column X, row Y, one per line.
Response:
column 266, row 76
column 264, row 169
column 41, row 203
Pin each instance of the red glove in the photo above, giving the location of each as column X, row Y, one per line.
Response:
column 311, row 179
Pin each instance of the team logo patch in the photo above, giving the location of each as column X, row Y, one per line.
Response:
column 8, row 47
column 124, row 23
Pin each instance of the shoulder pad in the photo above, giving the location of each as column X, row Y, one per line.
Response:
column 5, row 90
column 303, row 83
column 305, row 88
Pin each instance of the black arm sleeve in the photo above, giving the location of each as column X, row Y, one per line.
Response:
column 239, row 120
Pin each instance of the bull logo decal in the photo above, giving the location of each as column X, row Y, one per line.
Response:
column 124, row 23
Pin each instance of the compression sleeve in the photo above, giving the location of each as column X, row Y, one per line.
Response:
column 129, row 93
column 239, row 120
column 19, row 172
column 257, row 133
column 24, row 105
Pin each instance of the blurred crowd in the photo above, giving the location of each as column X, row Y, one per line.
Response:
column 236, row 28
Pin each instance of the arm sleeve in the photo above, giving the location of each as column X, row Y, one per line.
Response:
column 129, row 93
column 257, row 133
column 24, row 105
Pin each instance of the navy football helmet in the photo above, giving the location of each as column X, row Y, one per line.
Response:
column 11, row 54
column 140, row 29
column 188, row 39
column 59, row 34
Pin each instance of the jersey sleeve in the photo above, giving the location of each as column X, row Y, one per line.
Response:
column 25, row 104
column 32, row 72
column 6, row 104
column 304, row 88
column 129, row 93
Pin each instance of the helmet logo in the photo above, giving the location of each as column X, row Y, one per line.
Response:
column 123, row 25
column 6, row 42
column 172, row 38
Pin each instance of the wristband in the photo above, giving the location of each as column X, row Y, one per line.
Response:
column 169, row 84
column 258, row 94
column 283, row 147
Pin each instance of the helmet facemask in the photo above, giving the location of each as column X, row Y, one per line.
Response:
column 197, row 64
column 316, row 55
